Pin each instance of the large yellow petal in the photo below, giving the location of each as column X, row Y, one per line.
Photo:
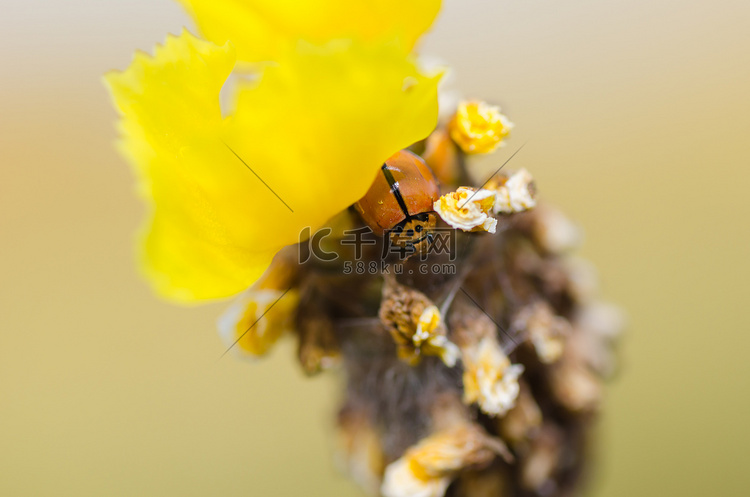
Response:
column 262, row 29
column 312, row 134
column 194, row 246
column 318, row 126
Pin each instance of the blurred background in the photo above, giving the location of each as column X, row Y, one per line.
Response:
column 636, row 117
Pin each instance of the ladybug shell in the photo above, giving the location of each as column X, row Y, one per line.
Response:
column 412, row 180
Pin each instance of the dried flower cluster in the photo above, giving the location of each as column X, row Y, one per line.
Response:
column 479, row 380
column 473, row 353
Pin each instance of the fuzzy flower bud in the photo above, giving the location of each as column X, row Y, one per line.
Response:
column 467, row 209
column 598, row 325
column 543, row 458
column 317, row 349
column 546, row 331
column 479, row 128
column 521, row 422
column 575, row 386
column 415, row 324
column 554, row 232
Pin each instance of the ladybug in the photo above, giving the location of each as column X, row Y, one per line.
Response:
column 400, row 200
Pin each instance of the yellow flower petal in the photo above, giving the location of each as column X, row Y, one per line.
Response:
column 467, row 209
column 315, row 129
column 170, row 131
column 318, row 126
column 263, row 29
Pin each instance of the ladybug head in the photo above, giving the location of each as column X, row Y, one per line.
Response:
column 414, row 234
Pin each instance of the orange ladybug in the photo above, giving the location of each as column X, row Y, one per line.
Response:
column 400, row 201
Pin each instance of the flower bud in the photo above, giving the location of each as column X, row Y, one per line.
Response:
column 415, row 324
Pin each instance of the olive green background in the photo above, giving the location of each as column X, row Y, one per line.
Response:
column 636, row 118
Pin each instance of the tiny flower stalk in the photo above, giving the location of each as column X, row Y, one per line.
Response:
column 337, row 211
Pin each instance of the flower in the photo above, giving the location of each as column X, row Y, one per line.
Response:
column 426, row 469
column 302, row 143
column 523, row 420
column 479, row 128
column 599, row 324
column 490, row 379
column 263, row 30
column 554, row 232
column 467, row 209
column 574, row 385
column 263, row 313
column 546, row 331
column 236, row 195
column 514, row 194
column 415, row 324
column 543, row 459
column 257, row 320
